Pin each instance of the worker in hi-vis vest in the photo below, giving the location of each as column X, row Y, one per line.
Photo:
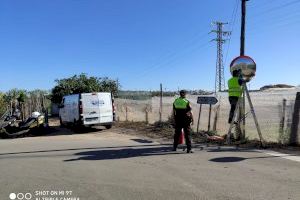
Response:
column 183, row 119
column 234, row 91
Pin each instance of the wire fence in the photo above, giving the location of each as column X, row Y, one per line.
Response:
column 275, row 109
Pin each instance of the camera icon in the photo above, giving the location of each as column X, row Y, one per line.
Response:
column 20, row 196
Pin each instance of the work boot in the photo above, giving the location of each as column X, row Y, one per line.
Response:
column 190, row 151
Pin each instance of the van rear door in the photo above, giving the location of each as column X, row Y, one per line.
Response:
column 106, row 107
column 91, row 108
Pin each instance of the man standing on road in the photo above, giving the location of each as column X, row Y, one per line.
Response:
column 183, row 117
column 234, row 92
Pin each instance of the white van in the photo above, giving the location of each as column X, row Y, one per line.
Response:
column 87, row 109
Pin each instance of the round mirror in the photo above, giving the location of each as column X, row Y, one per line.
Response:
column 245, row 65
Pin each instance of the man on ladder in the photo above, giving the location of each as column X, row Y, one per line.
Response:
column 234, row 92
column 183, row 117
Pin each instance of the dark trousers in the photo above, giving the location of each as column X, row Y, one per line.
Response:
column 233, row 103
column 187, row 135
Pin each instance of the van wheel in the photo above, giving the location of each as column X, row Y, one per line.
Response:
column 61, row 123
column 108, row 126
column 76, row 125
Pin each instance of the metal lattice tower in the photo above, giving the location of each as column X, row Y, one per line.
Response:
column 220, row 79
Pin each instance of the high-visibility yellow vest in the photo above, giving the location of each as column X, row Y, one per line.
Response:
column 234, row 88
column 181, row 103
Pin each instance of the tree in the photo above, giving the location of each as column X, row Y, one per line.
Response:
column 22, row 97
column 12, row 96
column 82, row 84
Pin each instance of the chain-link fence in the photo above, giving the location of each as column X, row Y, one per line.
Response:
column 275, row 111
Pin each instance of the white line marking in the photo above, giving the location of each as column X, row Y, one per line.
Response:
column 282, row 155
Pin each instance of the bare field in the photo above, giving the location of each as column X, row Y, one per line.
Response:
column 267, row 105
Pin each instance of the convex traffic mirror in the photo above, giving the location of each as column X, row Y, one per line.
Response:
column 245, row 65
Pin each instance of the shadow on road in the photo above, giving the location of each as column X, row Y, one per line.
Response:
column 122, row 153
column 74, row 130
column 142, row 141
column 238, row 159
column 78, row 149
column 228, row 159
column 214, row 150
column 57, row 131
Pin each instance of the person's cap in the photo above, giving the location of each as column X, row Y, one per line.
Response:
column 236, row 72
column 182, row 92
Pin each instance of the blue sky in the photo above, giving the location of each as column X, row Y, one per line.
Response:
column 143, row 42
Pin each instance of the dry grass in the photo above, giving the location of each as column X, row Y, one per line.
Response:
column 165, row 131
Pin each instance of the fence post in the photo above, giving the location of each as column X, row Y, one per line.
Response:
column 147, row 117
column 160, row 104
column 216, row 117
column 200, row 108
column 209, row 116
column 282, row 120
column 11, row 108
column 126, row 113
column 295, row 121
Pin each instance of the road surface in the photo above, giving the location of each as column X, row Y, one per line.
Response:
column 110, row 165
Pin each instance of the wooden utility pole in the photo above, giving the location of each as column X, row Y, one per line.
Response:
column 242, row 53
column 243, row 24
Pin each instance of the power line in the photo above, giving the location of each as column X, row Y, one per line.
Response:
column 170, row 61
column 273, row 26
column 270, row 21
column 279, row 7
column 261, row 4
column 233, row 20
column 171, row 56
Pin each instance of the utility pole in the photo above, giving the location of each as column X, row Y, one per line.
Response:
column 243, row 25
column 242, row 53
column 219, row 79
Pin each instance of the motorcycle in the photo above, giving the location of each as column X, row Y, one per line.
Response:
column 10, row 127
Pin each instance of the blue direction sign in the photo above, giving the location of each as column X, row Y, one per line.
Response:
column 207, row 100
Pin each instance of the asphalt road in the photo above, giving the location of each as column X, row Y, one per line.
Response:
column 109, row 165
